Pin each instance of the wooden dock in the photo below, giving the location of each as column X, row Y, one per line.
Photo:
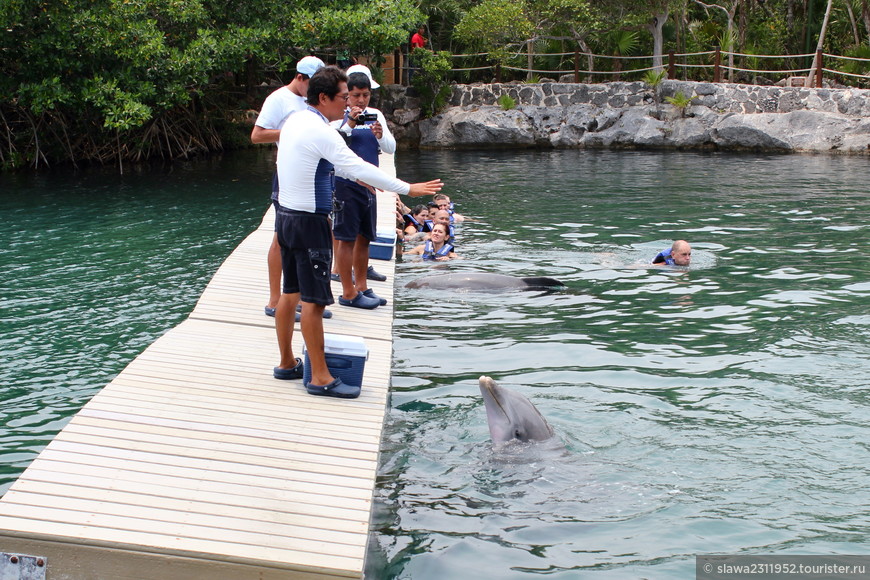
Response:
column 195, row 463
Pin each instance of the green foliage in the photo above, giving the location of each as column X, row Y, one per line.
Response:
column 622, row 42
column 492, row 25
column 654, row 78
column 506, row 102
column 680, row 101
column 430, row 79
column 369, row 27
column 75, row 73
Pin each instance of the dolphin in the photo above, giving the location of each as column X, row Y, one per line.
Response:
column 481, row 281
column 511, row 416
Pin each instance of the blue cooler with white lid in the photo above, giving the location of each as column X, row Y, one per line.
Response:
column 384, row 244
column 345, row 357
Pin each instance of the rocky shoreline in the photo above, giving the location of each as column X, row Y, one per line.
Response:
column 630, row 115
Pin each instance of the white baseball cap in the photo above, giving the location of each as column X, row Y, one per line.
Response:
column 309, row 65
column 359, row 68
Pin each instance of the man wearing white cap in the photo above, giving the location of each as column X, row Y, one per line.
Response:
column 355, row 221
column 267, row 129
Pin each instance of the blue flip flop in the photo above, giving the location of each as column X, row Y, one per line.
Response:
column 288, row 374
column 334, row 389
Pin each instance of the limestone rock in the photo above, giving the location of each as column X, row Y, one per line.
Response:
column 625, row 114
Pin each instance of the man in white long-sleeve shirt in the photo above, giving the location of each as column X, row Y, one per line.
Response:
column 310, row 150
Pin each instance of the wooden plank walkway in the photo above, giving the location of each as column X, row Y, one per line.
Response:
column 195, row 463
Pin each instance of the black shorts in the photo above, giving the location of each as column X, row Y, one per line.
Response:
column 356, row 212
column 306, row 255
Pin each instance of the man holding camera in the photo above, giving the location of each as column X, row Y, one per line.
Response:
column 355, row 216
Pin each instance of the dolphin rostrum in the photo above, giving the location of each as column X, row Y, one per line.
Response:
column 511, row 416
column 482, row 281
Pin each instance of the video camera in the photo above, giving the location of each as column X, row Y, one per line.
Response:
column 364, row 118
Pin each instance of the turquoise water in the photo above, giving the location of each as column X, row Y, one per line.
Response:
column 710, row 410
column 719, row 409
column 95, row 266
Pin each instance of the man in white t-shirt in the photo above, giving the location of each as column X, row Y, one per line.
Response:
column 276, row 108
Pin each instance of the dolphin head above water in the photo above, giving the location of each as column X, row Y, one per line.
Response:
column 511, row 416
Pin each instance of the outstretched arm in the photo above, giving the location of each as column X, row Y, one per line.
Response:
column 425, row 188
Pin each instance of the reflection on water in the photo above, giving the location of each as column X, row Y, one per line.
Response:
column 714, row 409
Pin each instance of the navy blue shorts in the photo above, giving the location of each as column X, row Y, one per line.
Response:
column 306, row 255
column 356, row 212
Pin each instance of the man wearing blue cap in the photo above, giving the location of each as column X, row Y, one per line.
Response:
column 276, row 108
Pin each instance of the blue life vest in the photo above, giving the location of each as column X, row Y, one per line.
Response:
column 429, row 252
column 324, row 186
column 664, row 257
column 427, row 225
column 412, row 221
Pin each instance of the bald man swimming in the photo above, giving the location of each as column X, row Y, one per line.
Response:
column 679, row 254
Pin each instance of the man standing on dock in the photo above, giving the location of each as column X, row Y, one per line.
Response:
column 279, row 105
column 310, row 151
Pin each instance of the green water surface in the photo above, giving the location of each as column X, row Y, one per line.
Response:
column 716, row 409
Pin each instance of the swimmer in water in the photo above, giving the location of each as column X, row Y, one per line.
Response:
column 679, row 254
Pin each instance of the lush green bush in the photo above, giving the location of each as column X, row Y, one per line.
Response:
column 430, row 79
column 107, row 80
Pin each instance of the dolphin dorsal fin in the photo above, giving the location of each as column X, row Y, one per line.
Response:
column 542, row 282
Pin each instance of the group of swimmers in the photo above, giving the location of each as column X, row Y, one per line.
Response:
column 433, row 224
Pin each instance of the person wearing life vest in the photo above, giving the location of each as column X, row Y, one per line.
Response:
column 442, row 200
column 437, row 247
column 355, row 212
column 442, row 216
column 415, row 221
column 679, row 254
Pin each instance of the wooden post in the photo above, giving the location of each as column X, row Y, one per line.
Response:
column 576, row 66
column 671, row 65
column 397, row 67
column 819, row 69
column 717, row 64
column 497, row 73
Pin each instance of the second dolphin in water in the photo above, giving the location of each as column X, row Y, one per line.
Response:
column 511, row 416
column 482, row 281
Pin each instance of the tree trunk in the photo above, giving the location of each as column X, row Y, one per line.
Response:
column 819, row 46
column 853, row 22
column 531, row 58
column 655, row 27
column 865, row 16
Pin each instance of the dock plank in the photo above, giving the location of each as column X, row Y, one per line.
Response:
column 195, row 463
